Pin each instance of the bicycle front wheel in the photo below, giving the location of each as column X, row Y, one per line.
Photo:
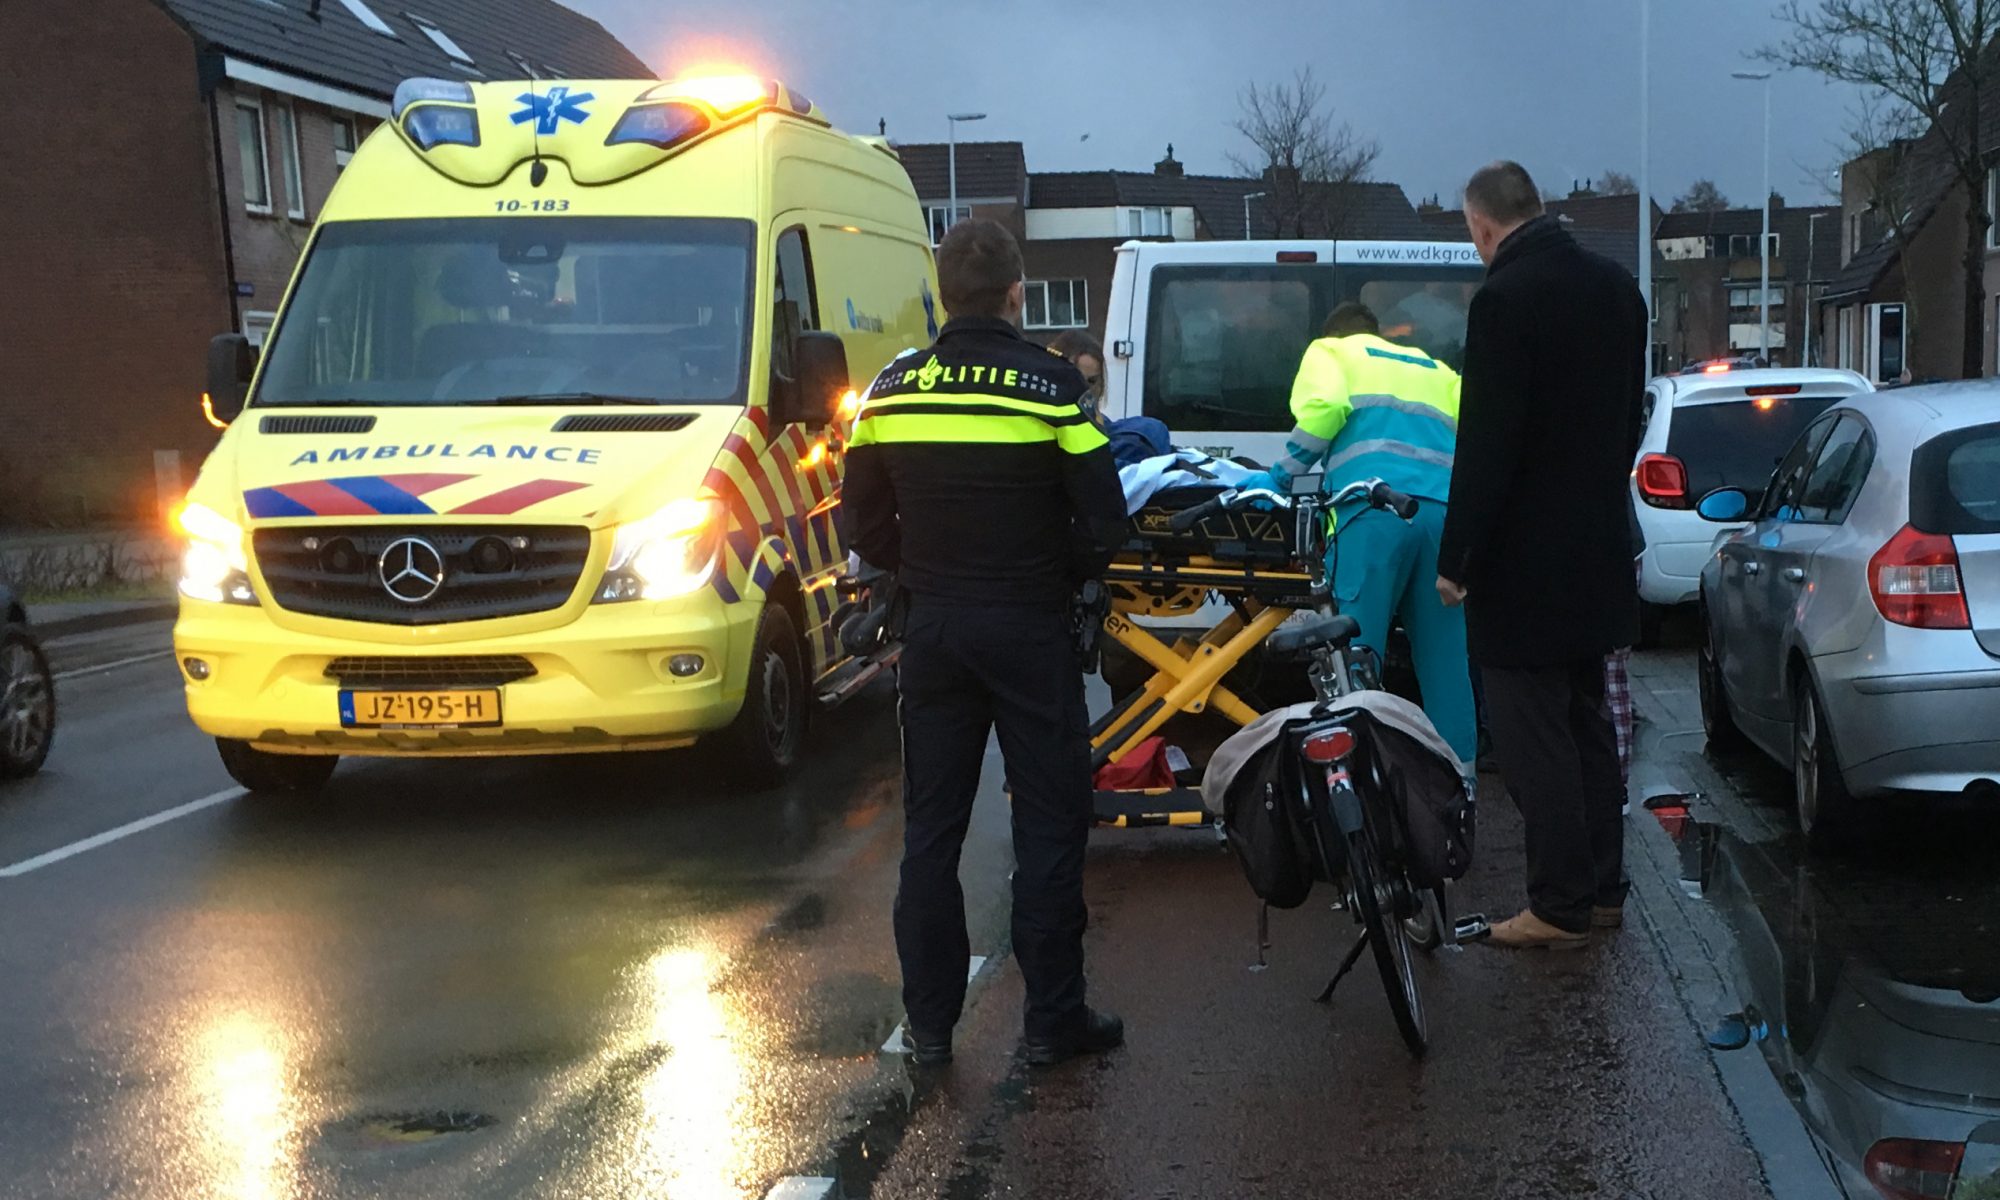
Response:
column 1386, row 935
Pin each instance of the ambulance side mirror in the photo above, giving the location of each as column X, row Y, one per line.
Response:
column 231, row 363
column 820, row 360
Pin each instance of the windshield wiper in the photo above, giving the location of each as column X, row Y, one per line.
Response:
column 566, row 398
column 336, row 402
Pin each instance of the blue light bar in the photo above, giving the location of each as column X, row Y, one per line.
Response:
column 440, row 124
column 661, row 125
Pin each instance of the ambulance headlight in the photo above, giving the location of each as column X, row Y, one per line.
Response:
column 214, row 566
column 671, row 553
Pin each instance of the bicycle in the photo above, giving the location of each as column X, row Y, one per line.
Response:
column 1357, row 838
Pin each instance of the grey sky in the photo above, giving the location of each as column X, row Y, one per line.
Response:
column 1444, row 85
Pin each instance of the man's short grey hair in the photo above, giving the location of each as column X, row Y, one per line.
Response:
column 1504, row 192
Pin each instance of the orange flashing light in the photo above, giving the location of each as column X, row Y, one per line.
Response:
column 726, row 94
column 814, row 456
column 1715, row 369
column 1765, row 403
column 208, row 412
column 850, row 404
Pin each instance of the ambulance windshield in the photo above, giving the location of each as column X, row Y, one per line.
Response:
column 507, row 309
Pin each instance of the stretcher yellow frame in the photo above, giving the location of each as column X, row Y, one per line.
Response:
column 1187, row 674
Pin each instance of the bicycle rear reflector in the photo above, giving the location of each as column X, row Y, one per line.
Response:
column 1328, row 746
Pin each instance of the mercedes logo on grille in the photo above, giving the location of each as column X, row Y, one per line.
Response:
column 412, row 570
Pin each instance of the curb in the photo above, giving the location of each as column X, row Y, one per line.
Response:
column 164, row 610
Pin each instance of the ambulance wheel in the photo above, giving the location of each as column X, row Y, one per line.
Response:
column 266, row 774
column 762, row 744
column 27, row 704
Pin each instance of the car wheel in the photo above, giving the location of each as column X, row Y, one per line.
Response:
column 27, row 705
column 1825, row 807
column 1716, row 720
column 763, row 743
column 268, row 774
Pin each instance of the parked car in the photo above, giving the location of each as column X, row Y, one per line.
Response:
column 27, row 692
column 1725, row 426
column 1852, row 629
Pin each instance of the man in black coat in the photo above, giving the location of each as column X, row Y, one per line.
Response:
column 1537, row 543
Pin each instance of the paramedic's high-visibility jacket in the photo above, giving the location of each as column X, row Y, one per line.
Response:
column 974, row 475
column 1370, row 408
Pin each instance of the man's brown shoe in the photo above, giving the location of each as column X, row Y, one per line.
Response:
column 1526, row 931
column 1604, row 917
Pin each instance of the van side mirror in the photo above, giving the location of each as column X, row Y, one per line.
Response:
column 1724, row 505
column 231, row 363
column 812, row 397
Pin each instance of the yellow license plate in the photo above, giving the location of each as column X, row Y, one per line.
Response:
column 419, row 710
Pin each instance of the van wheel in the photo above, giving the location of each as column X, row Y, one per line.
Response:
column 1826, row 809
column 1716, row 720
column 764, row 741
column 27, row 705
column 268, row 774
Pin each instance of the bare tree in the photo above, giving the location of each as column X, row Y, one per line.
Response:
column 1702, row 196
column 1617, row 183
column 1931, row 58
column 1304, row 160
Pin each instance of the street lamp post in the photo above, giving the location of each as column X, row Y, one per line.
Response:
column 1764, row 250
column 1247, row 198
column 1812, row 318
column 1645, row 173
column 951, row 165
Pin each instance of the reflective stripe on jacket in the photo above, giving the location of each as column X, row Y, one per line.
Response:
column 1377, row 409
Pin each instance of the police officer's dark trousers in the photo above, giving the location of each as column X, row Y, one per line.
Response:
column 966, row 671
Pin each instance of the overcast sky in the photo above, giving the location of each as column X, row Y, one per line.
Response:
column 1443, row 85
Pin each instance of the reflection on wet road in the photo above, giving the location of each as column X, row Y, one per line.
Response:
column 1870, row 983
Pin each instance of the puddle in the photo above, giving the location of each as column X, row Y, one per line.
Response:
column 1870, row 986
column 389, row 1130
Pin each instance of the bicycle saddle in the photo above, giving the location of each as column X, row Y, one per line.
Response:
column 1314, row 632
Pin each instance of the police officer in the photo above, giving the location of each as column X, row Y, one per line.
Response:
column 974, row 475
column 1371, row 408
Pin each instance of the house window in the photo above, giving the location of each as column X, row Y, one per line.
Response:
column 1149, row 222
column 366, row 16
column 1747, row 297
column 257, row 327
column 1057, row 304
column 288, row 159
column 940, row 222
column 1744, row 245
column 440, row 39
column 250, row 144
column 343, row 142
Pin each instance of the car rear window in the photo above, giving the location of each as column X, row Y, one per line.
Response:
column 1737, row 443
column 1955, row 482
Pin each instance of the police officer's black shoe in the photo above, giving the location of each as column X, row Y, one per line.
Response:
column 927, row 1050
column 1099, row 1032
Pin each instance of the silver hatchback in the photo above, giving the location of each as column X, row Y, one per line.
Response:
column 1852, row 630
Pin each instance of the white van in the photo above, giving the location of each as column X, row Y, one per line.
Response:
column 1207, row 336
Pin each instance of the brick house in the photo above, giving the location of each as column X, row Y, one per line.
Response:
column 1071, row 222
column 1714, row 261
column 180, row 153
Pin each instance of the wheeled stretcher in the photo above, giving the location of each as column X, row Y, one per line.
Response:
column 1256, row 562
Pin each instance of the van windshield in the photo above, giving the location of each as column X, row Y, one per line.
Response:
column 1223, row 342
column 507, row 310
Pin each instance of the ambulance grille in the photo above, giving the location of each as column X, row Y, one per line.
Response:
column 624, row 422
column 315, row 424
column 432, row 670
column 489, row 571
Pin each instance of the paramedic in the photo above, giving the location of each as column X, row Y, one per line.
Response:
column 1374, row 409
column 975, row 477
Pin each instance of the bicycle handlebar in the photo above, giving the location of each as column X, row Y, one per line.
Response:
column 1377, row 493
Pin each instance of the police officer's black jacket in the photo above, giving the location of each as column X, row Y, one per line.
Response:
column 974, row 475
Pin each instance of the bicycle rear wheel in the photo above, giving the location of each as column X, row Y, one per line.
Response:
column 1386, row 935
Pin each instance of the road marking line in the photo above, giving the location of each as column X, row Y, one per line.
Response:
column 123, row 831
column 113, row 665
column 895, row 1043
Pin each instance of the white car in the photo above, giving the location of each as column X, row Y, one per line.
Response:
column 1715, row 426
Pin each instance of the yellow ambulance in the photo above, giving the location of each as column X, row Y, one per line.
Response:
column 543, row 453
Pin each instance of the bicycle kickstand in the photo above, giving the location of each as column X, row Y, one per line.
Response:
column 1346, row 965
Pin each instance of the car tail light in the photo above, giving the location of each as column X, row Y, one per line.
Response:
column 1910, row 1169
column 1915, row 581
column 1775, row 389
column 1663, row 481
column 1328, row 746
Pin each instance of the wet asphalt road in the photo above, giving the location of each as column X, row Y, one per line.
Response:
column 608, row 978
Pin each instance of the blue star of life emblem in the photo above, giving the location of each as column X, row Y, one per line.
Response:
column 550, row 110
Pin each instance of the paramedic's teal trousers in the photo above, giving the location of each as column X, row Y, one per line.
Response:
column 1384, row 570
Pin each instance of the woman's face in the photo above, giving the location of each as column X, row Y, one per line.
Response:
column 1093, row 373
